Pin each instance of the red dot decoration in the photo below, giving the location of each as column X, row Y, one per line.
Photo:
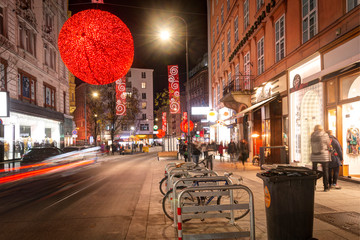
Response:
column 184, row 126
column 96, row 46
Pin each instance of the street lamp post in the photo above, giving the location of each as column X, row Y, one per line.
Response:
column 166, row 35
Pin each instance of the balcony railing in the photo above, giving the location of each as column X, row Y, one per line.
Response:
column 240, row 84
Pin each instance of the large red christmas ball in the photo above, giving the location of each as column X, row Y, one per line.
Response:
column 96, row 46
column 184, row 126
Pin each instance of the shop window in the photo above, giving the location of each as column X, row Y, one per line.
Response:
column 27, row 87
column 25, row 131
column 48, row 132
column 309, row 19
column 332, row 120
column 285, row 131
column 3, row 69
column 144, row 127
column 49, row 97
column 350, row 87
column 280, row 38
column 331, row 93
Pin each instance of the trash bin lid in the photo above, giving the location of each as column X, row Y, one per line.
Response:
column 283, row 173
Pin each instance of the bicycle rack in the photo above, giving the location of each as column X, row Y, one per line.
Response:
column 186, row 172
column 213, row 180
column 173, row 165
column 201, row 191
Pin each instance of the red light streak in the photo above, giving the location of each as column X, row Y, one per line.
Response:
column 43, row 171
column 23, row 167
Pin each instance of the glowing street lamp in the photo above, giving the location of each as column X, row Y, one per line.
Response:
column 164, row 35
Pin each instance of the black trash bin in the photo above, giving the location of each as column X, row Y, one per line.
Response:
column 289, row 202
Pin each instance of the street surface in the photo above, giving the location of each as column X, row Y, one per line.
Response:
column 94, row 202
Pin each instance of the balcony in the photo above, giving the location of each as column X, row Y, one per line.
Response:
column 237, row 93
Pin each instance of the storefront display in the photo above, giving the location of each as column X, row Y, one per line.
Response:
column 22, row 132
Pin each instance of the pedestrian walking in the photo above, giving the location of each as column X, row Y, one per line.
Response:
column 221, row 151
column 232, row 150
column 195, row 151
column 244, row 151
column 320, row 143
column 336, row 156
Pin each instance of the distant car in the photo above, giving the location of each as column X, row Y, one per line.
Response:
column 38, row 154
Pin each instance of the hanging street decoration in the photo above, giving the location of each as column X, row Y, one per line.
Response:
column 184, row 126
column 121, row 96
column 174, row 88
column 160, row 133
column 164, row 123
column 96, row 46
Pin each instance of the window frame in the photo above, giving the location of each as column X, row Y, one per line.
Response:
column 27, row 39
column 52, row 91
column 260, row 56
column 228, row 41
column 236, row 29
column 313, row 13
column 218, row 59
column 144, row 127
column 228, row 5
column 143, row 85
column 222, row 14
column 259, row 4
column 247, row 71
column 143, row 95
column 280, row 40
column 3, row 75
column 354, row 5
column 246, row 14
column 32, row 85
column 222, row 51
column 143, row 74
column 2, row 21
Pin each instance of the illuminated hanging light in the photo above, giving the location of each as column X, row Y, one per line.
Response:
column 96, row 46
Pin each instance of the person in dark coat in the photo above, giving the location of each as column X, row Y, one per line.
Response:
column 244, row 151
column 336, row 160
column 232, row 150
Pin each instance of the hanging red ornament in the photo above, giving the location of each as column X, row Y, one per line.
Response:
column 184, row 126
column 161, row 133
column 96, row 46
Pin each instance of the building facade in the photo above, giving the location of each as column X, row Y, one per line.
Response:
column 34, row 75
column 199, row 97
column 283, row 67
column 142, row 80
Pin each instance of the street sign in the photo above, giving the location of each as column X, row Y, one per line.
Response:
column 155, row 127
column 74, row 132
column 1, row 121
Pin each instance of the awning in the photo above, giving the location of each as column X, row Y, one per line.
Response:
column 259, row 104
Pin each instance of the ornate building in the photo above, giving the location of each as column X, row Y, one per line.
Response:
column 34, row 75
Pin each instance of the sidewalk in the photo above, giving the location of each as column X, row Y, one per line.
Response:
column 337, row 213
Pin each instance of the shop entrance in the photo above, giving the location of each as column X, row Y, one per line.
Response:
column 310, row 116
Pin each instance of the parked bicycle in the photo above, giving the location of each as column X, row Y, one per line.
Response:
column 213, row 198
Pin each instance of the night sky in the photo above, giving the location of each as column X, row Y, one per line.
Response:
column 146, row 18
